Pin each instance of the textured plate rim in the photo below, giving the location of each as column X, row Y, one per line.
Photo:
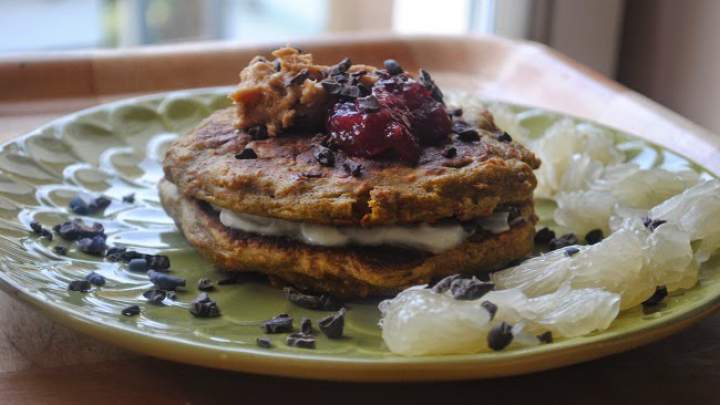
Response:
column 339, row 368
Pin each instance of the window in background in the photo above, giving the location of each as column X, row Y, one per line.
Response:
column 588, row 30
column 50, row 24
column 69, row 24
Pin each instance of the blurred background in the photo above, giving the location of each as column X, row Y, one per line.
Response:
column 665, row 49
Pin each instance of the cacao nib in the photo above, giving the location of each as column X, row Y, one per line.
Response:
column 544, row 236
column 468, row 289
column 332, row 326
column 132, row 310
column 95, row 279
column 300, row 340
column 594, row 236
column 660, row 293
column 204, row 307
column 321, row 302
column 282, row 323
column 563, row 241
column 246, row 154
column 500, row 336
column 165, row 281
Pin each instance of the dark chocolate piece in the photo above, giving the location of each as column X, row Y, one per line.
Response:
column 165, row 281
column 282, row 323
column 500, row 336
column 332, row 326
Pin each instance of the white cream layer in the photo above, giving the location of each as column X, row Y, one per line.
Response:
column 433, row 238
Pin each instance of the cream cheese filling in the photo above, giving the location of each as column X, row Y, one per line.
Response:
column 434, row 238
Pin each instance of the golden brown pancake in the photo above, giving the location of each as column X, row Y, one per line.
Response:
column 286, row 181
column 347, row 272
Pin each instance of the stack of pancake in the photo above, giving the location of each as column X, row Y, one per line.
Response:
column 321, row 220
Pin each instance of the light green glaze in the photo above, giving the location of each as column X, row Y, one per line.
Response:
column 115, row 150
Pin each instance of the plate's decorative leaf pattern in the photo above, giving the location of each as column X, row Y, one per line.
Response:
column 115, row 150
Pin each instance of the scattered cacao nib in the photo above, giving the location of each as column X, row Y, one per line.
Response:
column 130, row 198
column 353, row 169
column 594, row 236
column 368, row 104
column 258, row 132
column 306, row 326
column 545, row 337
column 165, row 281
column 321, row 302
column 426, row 80
column 300, row 340
column 450, row 152
column 544, row 236
column 563, row 241
column 468, row 289
column 393, row 67
column 652, row 224
column 465, row 131
column 282, row 323
column 95, row 279
column 132, row 310
column 324, row 156
column 504, row 137
column 138, row 265
column 341, row 67
column 155, row 296
column 157, row 262
column 79, row 206
column 332, row 326
column 456, row 112
column 331, row 87
column 491, row 308
column 115, row 254
column 246, row 153
column 298, row 79
column 79, row 285
column 61, row 250
column 76, row 229
column 204, row 307
column 118, row 254
column 350, row 92
column 500, row 336
column 205, row 284
column 444, row 284
column 93, row 246
column 36, row 228
column 45, row 233
column 263, row 342
column 571, row 251
column 98, row 204
column 660, row 293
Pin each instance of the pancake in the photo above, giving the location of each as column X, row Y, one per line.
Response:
column 346, row 272
column 286, row 180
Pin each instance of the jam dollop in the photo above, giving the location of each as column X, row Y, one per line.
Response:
column 398, row 118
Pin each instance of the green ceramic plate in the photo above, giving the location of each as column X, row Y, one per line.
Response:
column 115, row 149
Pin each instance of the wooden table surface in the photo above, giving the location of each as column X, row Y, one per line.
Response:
column 44, row 362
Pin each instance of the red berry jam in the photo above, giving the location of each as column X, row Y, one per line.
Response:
column 397, row 119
